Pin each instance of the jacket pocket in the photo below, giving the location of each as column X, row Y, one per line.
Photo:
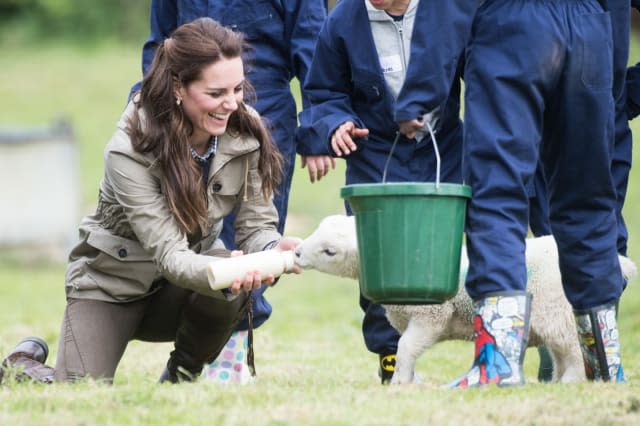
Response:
column 121, row 267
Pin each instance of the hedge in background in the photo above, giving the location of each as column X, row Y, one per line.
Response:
column 74, row 19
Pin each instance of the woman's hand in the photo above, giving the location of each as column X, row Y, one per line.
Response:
column 342, row 139
column 289, row 244
column 252, row 279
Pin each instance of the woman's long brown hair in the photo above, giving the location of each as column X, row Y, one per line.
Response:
column 165, row 130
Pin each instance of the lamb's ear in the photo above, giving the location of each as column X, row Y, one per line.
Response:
column 351, row 238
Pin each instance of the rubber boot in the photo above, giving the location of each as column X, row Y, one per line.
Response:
column 600, row 343
column 387, row 368
column 501, row 332
column 230, row 367
column 545, row 369
column 27, row 359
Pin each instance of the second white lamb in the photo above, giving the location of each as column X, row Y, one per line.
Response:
column 332, row 248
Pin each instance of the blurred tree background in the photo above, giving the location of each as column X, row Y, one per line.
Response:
column 77, row 59
column 38, row 21
column 87, row 21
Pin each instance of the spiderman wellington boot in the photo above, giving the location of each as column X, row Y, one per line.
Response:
column 501, row 332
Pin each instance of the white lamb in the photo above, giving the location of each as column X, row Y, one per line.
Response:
column 332, row 248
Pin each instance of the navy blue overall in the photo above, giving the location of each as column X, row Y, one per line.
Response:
column 539, row 82
column 346, row 83
column 440, row 33
column 621, row 161
column 282, row 34
column 622, row 151
column 633, row 83
column 632, row 109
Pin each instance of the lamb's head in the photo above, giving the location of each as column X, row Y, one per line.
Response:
column 332, row 248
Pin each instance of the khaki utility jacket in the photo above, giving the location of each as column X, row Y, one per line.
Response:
column 132, row 240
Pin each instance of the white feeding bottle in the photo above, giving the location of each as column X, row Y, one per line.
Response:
column 221, row 273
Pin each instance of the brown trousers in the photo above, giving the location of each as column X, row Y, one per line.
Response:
column 95, row 334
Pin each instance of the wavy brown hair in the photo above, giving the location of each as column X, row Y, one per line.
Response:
column 164, row 130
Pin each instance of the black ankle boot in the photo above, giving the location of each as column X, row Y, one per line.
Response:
column 177, row 372
column 28, row 359
column 205, row 326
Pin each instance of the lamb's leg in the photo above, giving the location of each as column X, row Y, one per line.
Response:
column 416, row 339
column 561, row 338
column 569, row 365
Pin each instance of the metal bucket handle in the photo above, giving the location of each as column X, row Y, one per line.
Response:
column 435, row 149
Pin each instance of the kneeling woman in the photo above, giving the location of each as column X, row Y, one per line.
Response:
column 187, row 152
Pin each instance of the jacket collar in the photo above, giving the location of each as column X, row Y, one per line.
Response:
column 228, row 148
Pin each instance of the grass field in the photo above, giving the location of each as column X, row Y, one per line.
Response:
column 312, row 365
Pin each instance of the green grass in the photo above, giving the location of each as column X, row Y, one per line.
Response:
column 312, row 364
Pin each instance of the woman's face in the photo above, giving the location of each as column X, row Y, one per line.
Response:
column 209, row 101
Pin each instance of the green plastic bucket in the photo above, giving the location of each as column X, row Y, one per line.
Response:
column 409, row 239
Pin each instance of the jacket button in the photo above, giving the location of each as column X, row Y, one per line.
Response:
column 122, row 252
column 216, row 187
